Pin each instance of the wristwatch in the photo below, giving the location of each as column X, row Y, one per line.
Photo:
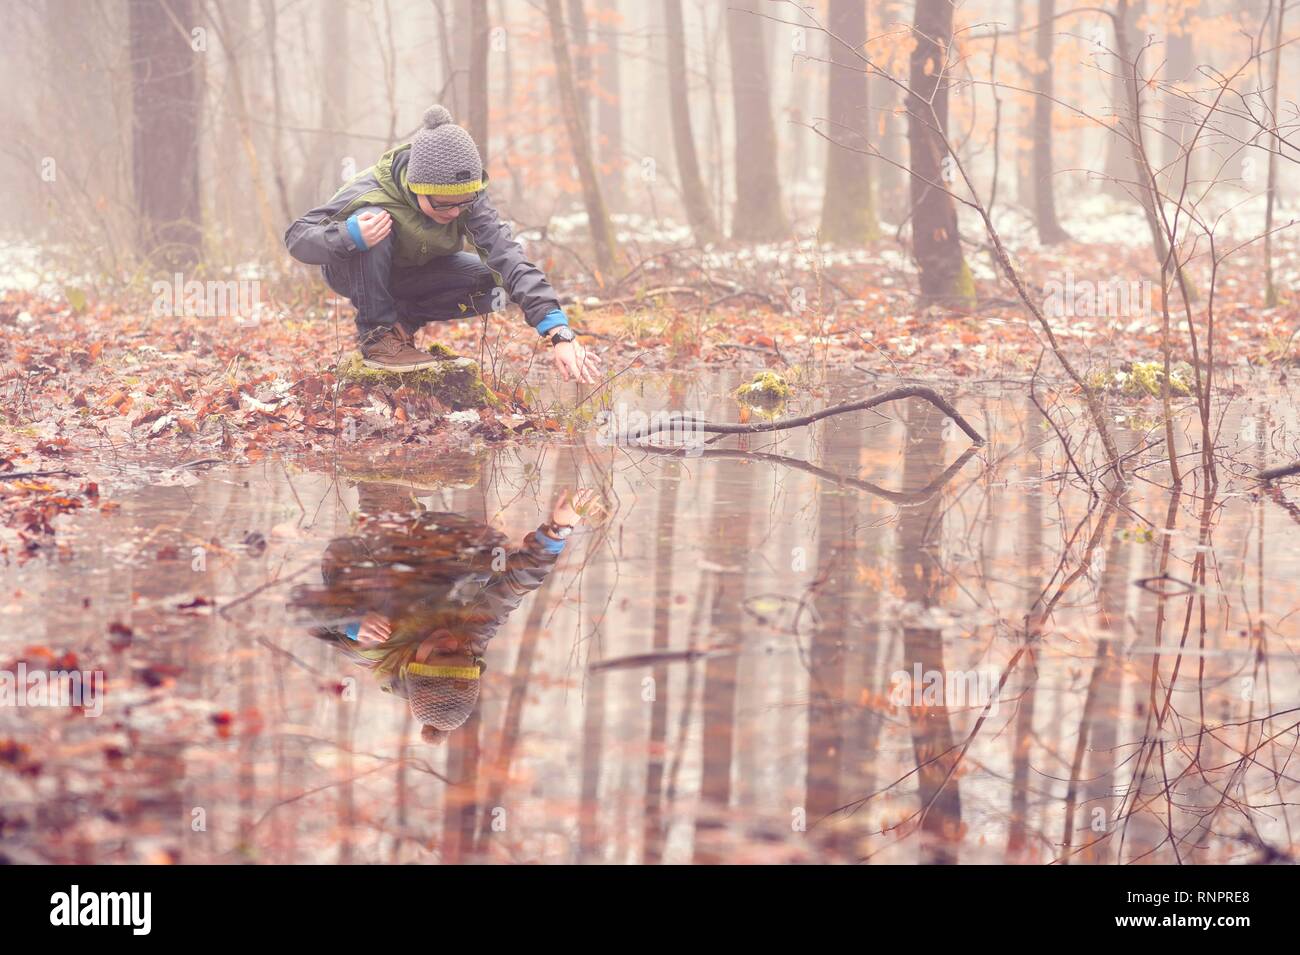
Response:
column 562, row 334
column 558, row 531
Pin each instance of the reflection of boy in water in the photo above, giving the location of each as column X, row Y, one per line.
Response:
column 416, row 598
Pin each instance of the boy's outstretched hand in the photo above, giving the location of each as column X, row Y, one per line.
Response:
column 573, row 361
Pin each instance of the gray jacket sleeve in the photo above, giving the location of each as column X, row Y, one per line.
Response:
column 315, row 240
column 523, row 281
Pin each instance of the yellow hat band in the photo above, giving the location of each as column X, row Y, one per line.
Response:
column 455, row 673
column 453, row 189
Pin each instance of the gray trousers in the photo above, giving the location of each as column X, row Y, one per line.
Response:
column 447, row 288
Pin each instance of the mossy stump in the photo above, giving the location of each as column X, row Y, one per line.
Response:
column 455, row 381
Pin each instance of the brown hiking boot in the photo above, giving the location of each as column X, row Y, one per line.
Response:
column 393, row 349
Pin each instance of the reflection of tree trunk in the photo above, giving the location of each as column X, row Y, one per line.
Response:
column 1099, row 784
column 167, row 100
column 727, row 545
column 666, row 522
column 345, row 806
column 460, row 809
column 695, row 199
column 602, row 235
column 848, row 209
column 593, row 725
column 919, row 535
column 758, row 214
column 936, row 243
column 596, row 597
column 1023, row 735
column 833, row 638
column 565, row 476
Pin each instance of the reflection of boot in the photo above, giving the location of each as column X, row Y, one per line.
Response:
column 377, row 497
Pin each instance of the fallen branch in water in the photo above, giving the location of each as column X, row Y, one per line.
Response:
column 20, row 475
column 782, row 424
column 1285, row 470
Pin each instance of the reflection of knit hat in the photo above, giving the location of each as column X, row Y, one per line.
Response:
column 441, row 696
column 444, row 160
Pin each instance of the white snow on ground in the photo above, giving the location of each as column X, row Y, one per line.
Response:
column 21, row 269
column 1090, row 217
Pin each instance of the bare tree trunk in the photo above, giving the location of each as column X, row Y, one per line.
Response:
column 848, row 207
column 458, row 61
column 609, row 107
column 602, row 234
column 270, row 21
column 243, row 119
column 1049, row 228
column 324, row 172
column 1120, row 169
column 478, row 76
column 165, row 162
column 936, row 243
column 1178, row 69
column 694, row 196
column 758, row 214
column 580, row 40
column 1270, row 290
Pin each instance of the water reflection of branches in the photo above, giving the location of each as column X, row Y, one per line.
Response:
column 902, row 498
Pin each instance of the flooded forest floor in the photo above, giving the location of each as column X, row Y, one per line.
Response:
column 862, row 640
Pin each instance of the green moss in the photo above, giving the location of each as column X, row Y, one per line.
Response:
column 964, row 287
column 455, row 381
column 1141, row 379
column 766, row 391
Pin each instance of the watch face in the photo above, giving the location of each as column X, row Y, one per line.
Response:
column 562, row 334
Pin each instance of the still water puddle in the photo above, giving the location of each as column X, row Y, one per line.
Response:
column 858, row 641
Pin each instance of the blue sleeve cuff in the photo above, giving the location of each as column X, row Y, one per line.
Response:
column 552, row 545
column 353, row 629
column 354, row 230
column 554, row 319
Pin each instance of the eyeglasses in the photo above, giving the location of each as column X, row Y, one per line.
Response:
column 443, row 206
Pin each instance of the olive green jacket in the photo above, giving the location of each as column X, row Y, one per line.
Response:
column 321, row 237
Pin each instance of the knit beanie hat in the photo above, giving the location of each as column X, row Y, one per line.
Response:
column 441, row 696
column 444, row 160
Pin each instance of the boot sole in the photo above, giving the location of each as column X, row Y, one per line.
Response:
column 412, row 366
